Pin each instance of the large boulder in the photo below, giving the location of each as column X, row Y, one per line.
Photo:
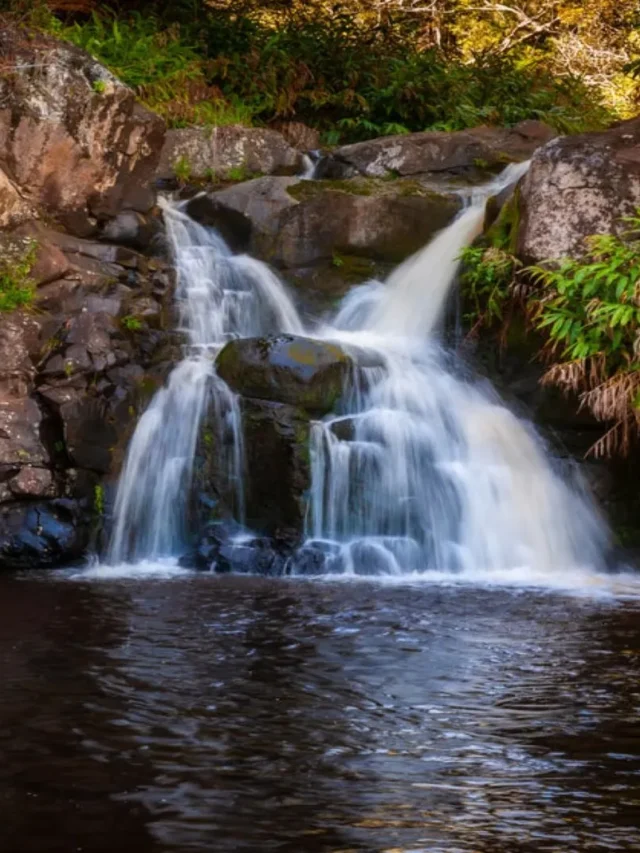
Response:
column 577, row 186
column 479, row 149
column 233, row 151
column 73, row 139
column 302, row 223
column 290, row 369
column 247, row 215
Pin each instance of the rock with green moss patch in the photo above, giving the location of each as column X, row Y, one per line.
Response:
column 290, row 369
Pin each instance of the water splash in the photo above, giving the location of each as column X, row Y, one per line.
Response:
column 423, row 470
column 220, row 296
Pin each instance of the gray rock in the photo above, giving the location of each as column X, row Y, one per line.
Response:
column 577, row 186
column 436, row 151
column 208, row 152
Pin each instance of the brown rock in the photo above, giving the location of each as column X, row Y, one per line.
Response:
column 32, row 482
column 51, row 264
column 67, row 144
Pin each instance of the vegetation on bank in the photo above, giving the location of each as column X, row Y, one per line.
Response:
column 360, row 68
column 589, row 312
column 17, row 289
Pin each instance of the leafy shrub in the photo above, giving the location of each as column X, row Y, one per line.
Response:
column 16, row 288
column 590, row 309
column 195, row 64
column 487, row 278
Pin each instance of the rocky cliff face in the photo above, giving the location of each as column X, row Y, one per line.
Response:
column 77, row 155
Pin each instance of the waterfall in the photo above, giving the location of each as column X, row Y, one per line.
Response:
column 220, row 296
column 423, row 470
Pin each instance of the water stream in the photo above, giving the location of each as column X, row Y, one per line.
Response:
column 421, row 469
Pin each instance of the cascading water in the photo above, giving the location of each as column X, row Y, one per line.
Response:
column 421, row 470
column 221, row 296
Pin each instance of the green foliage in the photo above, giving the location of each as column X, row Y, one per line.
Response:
column 487, row 277
column 17, row 290
column 131, row 323
column 99, row 86
column 590, row 310
column 336, row 68
column 98, row 500
column 182, row 169
column 238, row 173
column 590, row 307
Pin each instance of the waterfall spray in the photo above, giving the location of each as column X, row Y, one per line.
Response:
column 420, row 469
column 220, row 296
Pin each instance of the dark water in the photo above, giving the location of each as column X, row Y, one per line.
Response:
column 236, row 714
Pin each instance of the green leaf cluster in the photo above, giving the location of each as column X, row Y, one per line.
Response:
column 590, row 307
column 17, row 289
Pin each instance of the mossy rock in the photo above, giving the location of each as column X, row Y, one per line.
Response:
column 360, row 186
column 502, row 231
column 290, row 369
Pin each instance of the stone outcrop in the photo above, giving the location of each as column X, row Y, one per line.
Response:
column 326, row 236
column 233, row 151
column 295, row 223
column 577, row 186
column 289, row 369
column 467, row 151
column 74, row 142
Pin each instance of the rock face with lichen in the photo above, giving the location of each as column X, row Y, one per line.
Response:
column 73, row 140
column 201, row 152
column 577, row 186
column 465, row 152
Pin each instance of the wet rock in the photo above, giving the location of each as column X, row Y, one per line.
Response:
column 315, row 558
column 257, row 557
column 577, row 186
column 133, row 229
column 70, row 145
column 278, row 473
column 289, row 369
column 88, row 434
column 480, row 149
column 43, row 534
column 246, row 215
column 209, row 152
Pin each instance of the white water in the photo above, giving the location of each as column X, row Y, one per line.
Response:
column 220, row 296
column 434, row 473
column 420, row 472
